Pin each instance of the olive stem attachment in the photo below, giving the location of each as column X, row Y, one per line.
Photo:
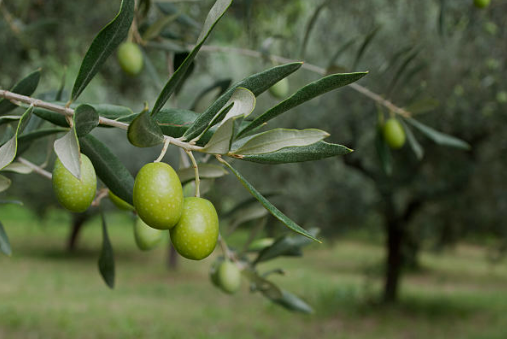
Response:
column 196, row 173
column 164, row 150
column 100, row 194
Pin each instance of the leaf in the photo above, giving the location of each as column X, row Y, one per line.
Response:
column 170, row 9
column 53, row 117
column 5, row 245
column 154, row 29
column 111, row 111
column 67, row 150
column 367, row 40
column 276, row 139
column 104, row 44
column 412, row 141
column 144, row 131
column 423, row 105
column 285, row 246
column 247, row 214
column 257, row 83
column 268, row 289
column 59, row 93
column 309, row 27
column 438, row 137
column 243, row 101
column 109, row 168
column 209, row 94
column 244, row 204
column 342, row 49
column 106, row 259
column 86, row 119
column 178, row 60
column 304, row 94
column 293, row 303
column 5, row 183
column 270, row 207
column 216, row 12
column 220, row 142
column 206, row 171
column 9, row 118
column 26, row 86
column 19, row 168
column 400, row 71
column 27, row 139
column 9, row 149
column 317, row 151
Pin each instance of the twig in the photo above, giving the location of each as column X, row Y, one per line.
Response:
column 196, row 171
column 36, row 168
column 67, row 111
column 312, row 68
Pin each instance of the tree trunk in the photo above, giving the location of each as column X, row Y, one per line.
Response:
column 394, row 259
column 77, row 223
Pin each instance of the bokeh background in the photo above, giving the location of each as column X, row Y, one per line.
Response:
column 446, row 61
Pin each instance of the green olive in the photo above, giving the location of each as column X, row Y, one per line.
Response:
column 119, row 202
column 213, row 272
column 280, row 90
column 146, row 237
column 394, row 134
column 196, row 234
column 74, row 194
column 229, row 277
column 130, row 58
column 481, row 3
column 158, row 195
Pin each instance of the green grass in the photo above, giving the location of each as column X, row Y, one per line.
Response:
column 47, row 293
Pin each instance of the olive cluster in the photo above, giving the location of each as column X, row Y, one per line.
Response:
column 159, row 202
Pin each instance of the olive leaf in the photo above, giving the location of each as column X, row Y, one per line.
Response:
column 5, row 183
column 9, row 149
column 220, row 142
column 68, row 151
column 206, row 171
column 144, row 131
column 106, row 259
column 86, row 119
column 438, row 137
column 26, row 86
column 5, row 246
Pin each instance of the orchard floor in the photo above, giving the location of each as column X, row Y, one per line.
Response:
column 46, row 293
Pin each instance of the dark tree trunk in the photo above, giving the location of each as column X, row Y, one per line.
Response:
column 394, row 259
column 172, row 258
column 77, row 223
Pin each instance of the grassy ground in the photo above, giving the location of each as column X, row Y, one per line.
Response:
column 46, row 293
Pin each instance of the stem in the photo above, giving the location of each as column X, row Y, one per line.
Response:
column 196, row 171
column 100, row 194
column 67, row 111
column 164, row 150
column 312, row 68
column 225, row 249
column 36, row 168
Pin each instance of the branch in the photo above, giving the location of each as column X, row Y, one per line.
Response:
column 312, row 68
column 69, row 112
column 36, row 169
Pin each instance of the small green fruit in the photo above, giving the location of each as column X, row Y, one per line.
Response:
column 260, row 244
column 119, row 202
column 158, row 195
column 130, row 58
column 481, row 3
column 280, row 90
column 146, row 237
column 196, row 234
column 229, row 277
column 74, row 194
column 394, row 134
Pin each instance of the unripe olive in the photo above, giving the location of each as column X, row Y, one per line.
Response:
column 158, row 195
column 146, row 237
column 119, row 202
column 394, row 134
column 280, row 90
column 481, row 3
column 229, row 277
column 196, row 234
column 74, row 194
column 130, row 58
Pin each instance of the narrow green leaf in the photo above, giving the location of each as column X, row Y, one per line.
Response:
column 169, row 8
column 108, row 167
column 86, row 119
column 111, row 111
column 26, row 86
column 257, row 83
column 270, row 207
column 154, row 29
column 285, row 246
column 9, row 149
column 309, row 27
column 400, row 71
column 367, row 40
column 220, row 142
column 339, row 51
column 423, row 105
column 9, row 118
column 206, row 171
column 106, row 259
column 304, row 94
column 293, row 303
column 67, row 150
column 53, row 117
column 276, row 139
column 210, row 94
column 5, row 183
column 216, row 12
column 59, row 93
column 268, row 289
column 27, row 139
column 18, row 167
column 103, row 46
column 412, row 141
column 317, row 151
column 5, row 245
column 247, row 214
column 438, row 137
column 144, row 131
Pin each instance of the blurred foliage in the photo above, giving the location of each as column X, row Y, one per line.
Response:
column 421, row 54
